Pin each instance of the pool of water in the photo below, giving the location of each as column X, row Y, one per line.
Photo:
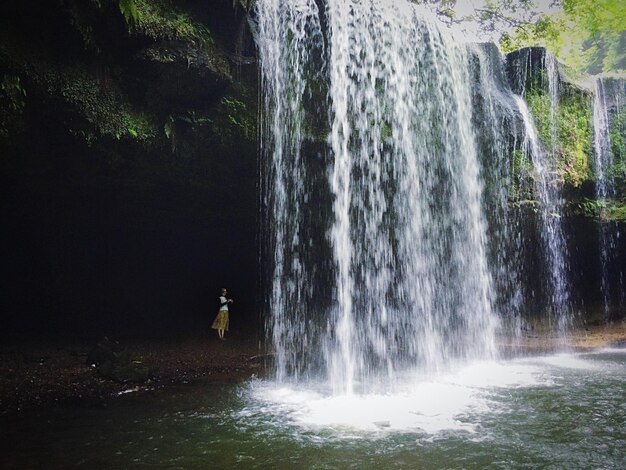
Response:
column 563, row 411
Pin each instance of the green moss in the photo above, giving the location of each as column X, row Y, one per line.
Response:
column 99, row 103
column 608, row 209
column 161, row 20
column 12, row 103
column 616, row 211
column 571, row 145
column 521, row 185
column 82, row 16
column 237, row 118
column 617, row 134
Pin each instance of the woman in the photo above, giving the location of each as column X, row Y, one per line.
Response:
column 221, row 320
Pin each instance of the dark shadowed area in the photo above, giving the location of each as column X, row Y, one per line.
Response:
column 128, row 181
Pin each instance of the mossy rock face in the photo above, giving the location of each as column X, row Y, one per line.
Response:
column 566, row 133
column 564, row 121
column 522, row 65
column 184, row 75
column 164, row 19
column 12, row 102
column 614, row 97
column 609, row 210
column 110, row 75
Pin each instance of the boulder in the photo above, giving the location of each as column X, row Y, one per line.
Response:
column 114, row 363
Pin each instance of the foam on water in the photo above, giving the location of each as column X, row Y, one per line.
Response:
column 569, row 361
column 450, row 402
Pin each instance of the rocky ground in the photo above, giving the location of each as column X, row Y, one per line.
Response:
column 34, row 375
column 581, row 339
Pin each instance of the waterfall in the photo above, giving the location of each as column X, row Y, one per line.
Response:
column 373, row 193
column 547, row 181
column 607, row 94
column 388, row 164
column 409, row 234
column 289, row 40
column 602, row 142
column 497, row 125
column 548, row 186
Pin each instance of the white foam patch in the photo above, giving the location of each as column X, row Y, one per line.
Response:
column 569, row 361
column 612, row 350
column 451, row 402
column 431, row 408
column 496, row 374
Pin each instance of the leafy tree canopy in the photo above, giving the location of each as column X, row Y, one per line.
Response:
column 587, row 35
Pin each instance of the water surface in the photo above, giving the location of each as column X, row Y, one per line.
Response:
column 563, row 411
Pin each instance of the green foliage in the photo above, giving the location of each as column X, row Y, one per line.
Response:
column 616, row 211
column 168, row 127
column 609, row 209
column 587, row 35
column 545, row 30
column 617, row 135
column 521, row 187
column 13, row 93
column 598, row 15
column 12, row 103
column 591, row 207
column 159, row 19
column 177, row 125
column 83, row 15
column 571, row 144
column 99, row 103
column 128, row 8
column 238, row 117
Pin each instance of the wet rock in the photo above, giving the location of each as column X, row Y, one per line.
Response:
column 105, row 351
column 127, row 371
column 113, row 363
column 184, row 73
column 527, row 67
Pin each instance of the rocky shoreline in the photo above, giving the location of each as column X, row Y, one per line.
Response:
column 33, row 376
column 39, row 375
column 582, row 339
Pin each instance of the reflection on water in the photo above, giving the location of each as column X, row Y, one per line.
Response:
column 563, row 411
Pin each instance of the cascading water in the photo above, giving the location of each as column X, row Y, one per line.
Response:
column 547, row 185
column 496, row 122
column 607, row 92
column 408, row 282
column 409, row 233
column 602, row 142
column 290, row 41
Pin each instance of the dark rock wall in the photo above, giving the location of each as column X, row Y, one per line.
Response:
column 128, row 176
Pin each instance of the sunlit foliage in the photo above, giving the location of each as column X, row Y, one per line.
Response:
column 588, row 35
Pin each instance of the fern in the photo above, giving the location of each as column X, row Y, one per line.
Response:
column 128, row 8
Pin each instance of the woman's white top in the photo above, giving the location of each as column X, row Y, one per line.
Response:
column 222, row 300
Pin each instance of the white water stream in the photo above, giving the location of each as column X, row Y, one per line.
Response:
column 608, row 93
column 408, row 282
